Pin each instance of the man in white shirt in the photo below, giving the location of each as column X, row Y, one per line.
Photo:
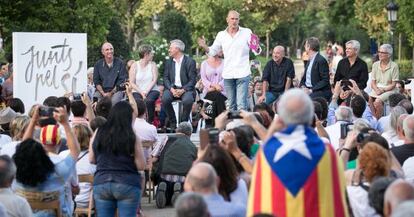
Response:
column 234, row 41
column 15, row 205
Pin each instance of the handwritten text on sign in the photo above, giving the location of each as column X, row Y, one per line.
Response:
column 48, row 64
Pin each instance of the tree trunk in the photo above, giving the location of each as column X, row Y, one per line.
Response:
column 267, row 43
column 399, row 46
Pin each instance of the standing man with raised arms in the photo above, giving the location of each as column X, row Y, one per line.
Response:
column 235, row 42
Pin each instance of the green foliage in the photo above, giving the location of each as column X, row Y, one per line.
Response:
column 118, row 40
column 406, row 19
column 84, row 16
column 372, row 16
column 208, row 17
column 173, row 25
column 160, row 46
column 406, row 69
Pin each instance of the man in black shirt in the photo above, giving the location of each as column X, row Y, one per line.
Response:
column 352, row 67
column 405, row 151
column 277, row 76
column 109, row 75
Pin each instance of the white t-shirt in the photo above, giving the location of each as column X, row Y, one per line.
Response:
column 236, row 52
column 10, row 148
column 144, row 76
column 4, row 139
column 358, row 199
column 83, row 166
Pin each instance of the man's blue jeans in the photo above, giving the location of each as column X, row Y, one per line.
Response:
column 110, row 196
column 237, row 92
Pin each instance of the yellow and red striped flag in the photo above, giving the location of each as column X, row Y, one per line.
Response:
column 296, row 175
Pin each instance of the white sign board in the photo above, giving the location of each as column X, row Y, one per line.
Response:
column 48, row 64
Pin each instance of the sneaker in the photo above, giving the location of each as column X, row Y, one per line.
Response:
column 160, row 199
column 177, row 192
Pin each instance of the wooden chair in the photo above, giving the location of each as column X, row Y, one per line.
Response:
column 87, row 210
column 150, row 188
column 42, row 200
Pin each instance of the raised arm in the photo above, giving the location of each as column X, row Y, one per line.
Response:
column 61, row 116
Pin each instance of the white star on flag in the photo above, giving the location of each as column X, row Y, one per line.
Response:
column 292, row 142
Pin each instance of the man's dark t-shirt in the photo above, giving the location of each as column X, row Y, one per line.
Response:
column 403, row 152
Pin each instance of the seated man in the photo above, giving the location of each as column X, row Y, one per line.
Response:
column 109, row 73
column 179, row 82
column 14, row 204
column 175, row 158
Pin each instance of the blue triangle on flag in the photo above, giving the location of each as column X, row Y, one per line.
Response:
column 293, row 168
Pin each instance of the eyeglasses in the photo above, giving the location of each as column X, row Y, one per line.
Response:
column 382, row 52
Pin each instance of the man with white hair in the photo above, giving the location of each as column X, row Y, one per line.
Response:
column 352, row 67
column 407, row 150
column 179, row 81
column 15, row 205
column 343, row 115
column 291, row 169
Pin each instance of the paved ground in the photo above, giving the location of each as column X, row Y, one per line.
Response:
column 150, row 210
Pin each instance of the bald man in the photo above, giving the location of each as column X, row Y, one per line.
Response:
column 398, row 192
column 203, row 179
column 234, row 41
column 109, row 75
column 277, row 76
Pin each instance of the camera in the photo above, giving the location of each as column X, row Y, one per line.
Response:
column 46, row 111
column 122, row 87
column 77, row 97
column 345, row 84
column 234, row 115
column 213, row 136
column 345, row 128
column 361, row 136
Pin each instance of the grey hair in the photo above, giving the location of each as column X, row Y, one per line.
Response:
column 144, row 49
column 404, row 209
column 360, row 124
column 296, row 107
column 355, row 44
column 396, row 112
column 179, row 44
column 191, row 204
column 313, row 43
column 388, row 48
column 344, row 113
column 408, row 127
column 7, row 172
column 185, row 127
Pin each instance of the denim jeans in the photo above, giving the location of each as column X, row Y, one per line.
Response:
column 111, row 196
column 271, row 97
column 237, row 91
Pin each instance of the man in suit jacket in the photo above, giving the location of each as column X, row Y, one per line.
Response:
column 179, row 85
column 315, row 80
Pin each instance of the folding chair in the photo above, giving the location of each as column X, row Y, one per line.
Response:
column 88, row 178
column 42, row 200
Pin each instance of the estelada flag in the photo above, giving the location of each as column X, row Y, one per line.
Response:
column 296, row 174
